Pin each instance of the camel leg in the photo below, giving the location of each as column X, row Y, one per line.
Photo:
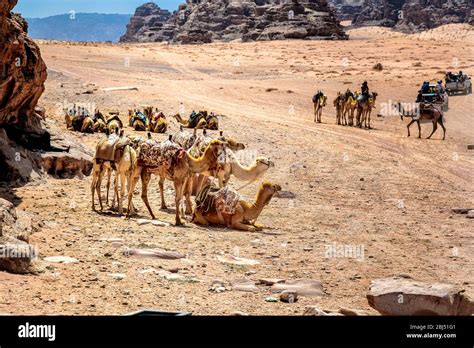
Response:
column 146, row 177
column 162, row 192
column 130, row 209
column 122, row 193
column 187, row 196
column 95, row 177
column 440, row 121
column 435, row 127
column 238, row 225
column 315, row 111
column 133, row 182
column 419, row 129
column 178, row 188
column 109, row 176
column 408, row 126
column 199, row 219
column 97, row 187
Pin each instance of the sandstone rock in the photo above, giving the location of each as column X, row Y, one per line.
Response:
column 16, row 255
column 315, row 311
column 270, row 281
column 304, row 287
column 470, row 214
column 414, row 15
column 154, row 253
column 27, row 146
column 22, row 70
column 204, row 21
column 244, row 285
column 406, row 296
column 61, row 259
column 289, row 296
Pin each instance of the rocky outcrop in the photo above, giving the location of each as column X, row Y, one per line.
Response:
column 204, row 21
column 414, row 15
column 22, row 70
column 406, row 296
column 16, row 255
column 28, row 148
column 346, row 9
column 146, row 24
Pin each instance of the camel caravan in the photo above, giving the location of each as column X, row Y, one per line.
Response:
column 348, row 105
column 199, row 165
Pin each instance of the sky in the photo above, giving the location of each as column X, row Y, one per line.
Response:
column 45, row 8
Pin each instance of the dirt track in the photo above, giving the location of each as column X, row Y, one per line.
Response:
column 376, row 189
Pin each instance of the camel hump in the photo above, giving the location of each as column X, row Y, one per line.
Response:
column 105, row 149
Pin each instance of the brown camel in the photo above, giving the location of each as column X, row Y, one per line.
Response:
column 79, row 123
column 319, row 101
column 424, row 114
column 339, row 105
column 225, row 207
column 350, row 106
column 170, row 161
column 364, row 110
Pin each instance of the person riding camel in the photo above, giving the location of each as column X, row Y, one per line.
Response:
column 364, row 92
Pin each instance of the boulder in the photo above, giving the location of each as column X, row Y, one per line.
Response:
column 405, row 296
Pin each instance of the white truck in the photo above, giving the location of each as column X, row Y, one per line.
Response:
column 458, row 84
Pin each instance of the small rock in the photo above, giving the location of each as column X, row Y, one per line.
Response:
column 271, row 299
column 470, row 214
column 118, row 276
column 289, row 296
column 61, row 259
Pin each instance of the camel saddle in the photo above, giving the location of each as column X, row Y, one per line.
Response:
column 152, row 154
column 107, row 147
column 184, row 139
column 116, row 118
column 212, row 199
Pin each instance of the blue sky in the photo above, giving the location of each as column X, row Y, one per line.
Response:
column 45, row 8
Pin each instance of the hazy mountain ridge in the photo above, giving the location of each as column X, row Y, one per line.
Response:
column 79, row 27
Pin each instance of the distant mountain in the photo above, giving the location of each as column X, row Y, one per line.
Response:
column 79, row 27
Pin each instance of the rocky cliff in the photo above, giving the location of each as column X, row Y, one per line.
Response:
column 146, row 23
column 202, row 21
column 414, row 15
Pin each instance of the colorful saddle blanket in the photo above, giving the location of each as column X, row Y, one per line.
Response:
column 165, row 154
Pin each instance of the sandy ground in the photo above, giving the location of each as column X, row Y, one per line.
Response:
column 372, row 189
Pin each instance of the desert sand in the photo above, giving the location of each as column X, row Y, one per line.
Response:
column 375, row 189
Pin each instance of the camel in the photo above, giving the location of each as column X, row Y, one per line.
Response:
column 113, row 152
column 349, row 107
column 224, row 207
column 426, row 113
column 199, row 120
column 99, row 122
column 114, row 122
column 339, row 105
column 319, row 101
column 170, row 161
column 158, row 122
column 79, row 120
column 138, row 120
column 364, row 109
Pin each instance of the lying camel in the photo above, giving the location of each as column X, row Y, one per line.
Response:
column 138, row 120
column 224, row 207
column 100, row 124
column 425, row 114
column 170, row 161
column 79, row 123
column 158, row 122
column 114, row 123
column 199, row 120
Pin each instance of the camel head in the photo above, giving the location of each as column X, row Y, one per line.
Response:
column 266, row 192
column 265, row 162
column 234, row 145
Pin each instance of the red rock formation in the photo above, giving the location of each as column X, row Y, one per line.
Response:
column 22, row 71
